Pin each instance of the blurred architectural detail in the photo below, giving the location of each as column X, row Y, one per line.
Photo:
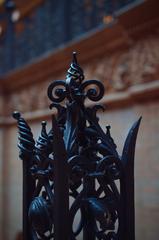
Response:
column 118, row 72
column 122, row 51
column 66, row 21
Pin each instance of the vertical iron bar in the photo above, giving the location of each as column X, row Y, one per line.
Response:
column 89, row 186
column 127, row 205
column 28, row 189
column 61, row 207
column 127, row 230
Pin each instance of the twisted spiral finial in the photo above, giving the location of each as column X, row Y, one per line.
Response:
column 75, row 72
column 26, row 141
column 41, row 145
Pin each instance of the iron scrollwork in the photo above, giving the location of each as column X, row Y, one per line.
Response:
column 79, row 152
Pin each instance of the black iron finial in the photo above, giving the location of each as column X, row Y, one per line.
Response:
column 16, row 115
column 43, row 124
column 75, row 88
column 75, row 72
column 108, row 127
column 74, row 57
column 26, row 141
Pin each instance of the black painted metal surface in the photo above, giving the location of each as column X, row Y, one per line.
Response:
column 75, row 167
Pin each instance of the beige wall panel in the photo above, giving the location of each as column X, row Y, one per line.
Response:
column 12, row 186
column 147, row 173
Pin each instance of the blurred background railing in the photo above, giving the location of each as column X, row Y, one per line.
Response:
column 23, row 33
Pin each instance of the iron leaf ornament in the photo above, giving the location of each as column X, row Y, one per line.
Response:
column 76, row 160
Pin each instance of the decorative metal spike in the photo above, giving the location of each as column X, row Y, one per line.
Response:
column 108, row 127
column 26, row 141
column 127, row 184
column 74, row 58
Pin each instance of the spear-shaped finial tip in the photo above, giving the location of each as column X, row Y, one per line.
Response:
column 43, row 123
column 75, row 57
column 108, row 127
column 43, row 129
column 16, row 115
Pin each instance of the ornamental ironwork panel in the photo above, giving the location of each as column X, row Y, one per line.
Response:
column 75, row 168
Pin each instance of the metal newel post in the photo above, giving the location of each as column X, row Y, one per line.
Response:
column 61, row 186
column 89, row 187
column 28, row 188
column 76, row 159
column 127, row 185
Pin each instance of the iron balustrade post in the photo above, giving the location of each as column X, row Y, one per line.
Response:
column 89, row 188
column 127, row 184
column 26, row 147
column 61, row 199
column 76, row 159
column 28, row 189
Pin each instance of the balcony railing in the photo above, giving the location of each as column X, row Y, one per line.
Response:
column 52, row 25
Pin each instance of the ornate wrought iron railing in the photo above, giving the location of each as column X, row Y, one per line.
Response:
column 65, row 21
column 75, row 167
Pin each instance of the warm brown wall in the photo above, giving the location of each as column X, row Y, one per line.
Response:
column 147, row 173
column 12, row 186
